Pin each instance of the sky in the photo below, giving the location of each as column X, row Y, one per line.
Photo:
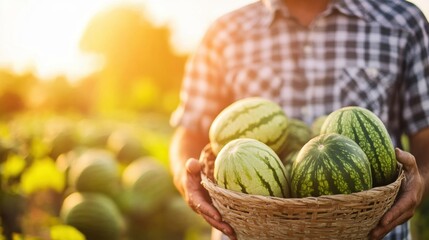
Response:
column 43, row 35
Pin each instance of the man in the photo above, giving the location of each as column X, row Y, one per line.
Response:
column 312, row 57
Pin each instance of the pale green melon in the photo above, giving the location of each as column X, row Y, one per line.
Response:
column 94, row 214
column 317, row 124
column 298, row 133
column 95, row 170
column 253, row 117
column 148, row 185
column 250, row 166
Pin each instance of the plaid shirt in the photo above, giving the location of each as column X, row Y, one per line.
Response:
column 370, row 53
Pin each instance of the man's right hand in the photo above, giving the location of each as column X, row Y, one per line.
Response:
column 199, row 200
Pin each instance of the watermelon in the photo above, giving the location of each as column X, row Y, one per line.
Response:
column 330, row 164
column 298, row 133
column 405, row 142
column 250, row 166
column 148, row 186
column 60, row 230
column 93, row 214
column 125, row 145
column 317, row 124
column 288, row 163
column 253, row 117
column 369, row 132
column 95, row 170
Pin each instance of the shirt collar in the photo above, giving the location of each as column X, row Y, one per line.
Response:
column 271, row 5
column 351, row 8
column 347, row 7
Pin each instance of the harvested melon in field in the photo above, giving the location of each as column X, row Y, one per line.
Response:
column 126, row 145
column 149, row 186
column 95, row 170
column 93, row 214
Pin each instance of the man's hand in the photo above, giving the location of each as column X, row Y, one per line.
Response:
column 199, row 200
column 408, row 198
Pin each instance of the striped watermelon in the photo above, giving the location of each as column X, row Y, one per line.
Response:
column 253, row 117
column 288, row 163
column 317, row 124
column 93, row 214
column 250, row 166
column 95, row 170
column 298, row 133
column 330, row 164
column 147, row 186
column 369, row 132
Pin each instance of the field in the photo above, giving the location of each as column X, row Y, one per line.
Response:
column 37, row 153
column 119, row 115
column 38, row 150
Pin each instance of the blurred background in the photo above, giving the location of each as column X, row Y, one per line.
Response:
column 86, row 91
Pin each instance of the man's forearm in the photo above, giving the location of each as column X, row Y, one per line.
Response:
column 185, row 144
column 420, row 149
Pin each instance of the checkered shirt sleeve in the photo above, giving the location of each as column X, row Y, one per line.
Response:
column 203, row 94
column 415, row 96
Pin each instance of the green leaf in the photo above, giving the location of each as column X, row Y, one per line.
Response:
column 39, row 148
column 42, row 174
column 66, row 232
column 4, row 131
column 17, row 236
column 13, row 166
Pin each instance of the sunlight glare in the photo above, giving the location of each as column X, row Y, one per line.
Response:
column 43, row 35
column 189, row 19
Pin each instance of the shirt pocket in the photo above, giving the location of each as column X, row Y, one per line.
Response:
column 366, row 87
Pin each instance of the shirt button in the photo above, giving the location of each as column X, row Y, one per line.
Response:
column 308, row 49
column 304, row 111
column 372, row 72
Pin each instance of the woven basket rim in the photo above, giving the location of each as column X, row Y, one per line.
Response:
column 339, row 216
column 370, row 193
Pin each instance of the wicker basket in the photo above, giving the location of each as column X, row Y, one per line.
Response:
column 342, row 216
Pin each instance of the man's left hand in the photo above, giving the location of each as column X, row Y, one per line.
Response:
column 409, row 197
